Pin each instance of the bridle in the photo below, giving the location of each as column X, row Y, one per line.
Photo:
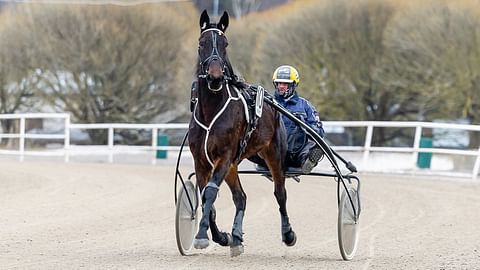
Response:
column 214, row 56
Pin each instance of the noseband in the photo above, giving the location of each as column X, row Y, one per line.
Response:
column 214, row 56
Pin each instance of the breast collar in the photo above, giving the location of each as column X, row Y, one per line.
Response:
column 209, row 127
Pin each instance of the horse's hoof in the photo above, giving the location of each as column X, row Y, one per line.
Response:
column 200, row 243
column 290, row 238
column 236, row 250
column 224, row 240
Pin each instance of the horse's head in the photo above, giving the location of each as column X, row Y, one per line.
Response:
column 212, row 53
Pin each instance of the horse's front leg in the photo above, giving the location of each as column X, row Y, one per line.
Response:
column 240, row 201
column 209, row 195
column 219, row 237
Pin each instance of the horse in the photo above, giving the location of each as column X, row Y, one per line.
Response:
column 218, row 124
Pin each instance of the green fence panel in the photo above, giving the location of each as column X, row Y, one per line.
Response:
column 162, row 140
column 424, row 159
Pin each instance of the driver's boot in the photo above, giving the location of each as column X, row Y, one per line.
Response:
column 311, row 161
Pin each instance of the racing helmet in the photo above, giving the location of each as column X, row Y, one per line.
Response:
column 286, row 74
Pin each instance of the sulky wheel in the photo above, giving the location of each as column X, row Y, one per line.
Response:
column 348, row 226
column 186, row 218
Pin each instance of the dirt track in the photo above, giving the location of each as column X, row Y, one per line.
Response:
column 102, row 216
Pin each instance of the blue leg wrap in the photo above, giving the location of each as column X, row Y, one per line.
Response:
column 285, row 225
column 209, row 194
column 237, row 225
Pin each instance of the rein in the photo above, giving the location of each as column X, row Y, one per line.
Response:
column 207, row 129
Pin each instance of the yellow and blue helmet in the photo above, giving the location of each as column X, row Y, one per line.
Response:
column 286, row 74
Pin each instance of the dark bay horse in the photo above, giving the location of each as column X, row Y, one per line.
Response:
column 218, row 125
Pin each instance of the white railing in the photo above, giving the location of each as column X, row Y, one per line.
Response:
column 111, row 132
column 22, row 135
column 110, row 148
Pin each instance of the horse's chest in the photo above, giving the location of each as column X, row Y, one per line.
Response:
column 226, row 134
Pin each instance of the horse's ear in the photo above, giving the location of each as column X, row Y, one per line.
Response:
column 223, row 23
column 204, row 20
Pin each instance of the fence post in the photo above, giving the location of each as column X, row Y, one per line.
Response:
column 21, row 143
column 416, row 144
column 154, row 145
column 66, row 146
column 368, row 144
column 476, row 167
column 110, row 144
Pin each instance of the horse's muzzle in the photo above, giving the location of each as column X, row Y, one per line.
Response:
column 215, row 70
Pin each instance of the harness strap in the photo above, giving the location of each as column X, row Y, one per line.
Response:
column 254, row 110
column 207, row 129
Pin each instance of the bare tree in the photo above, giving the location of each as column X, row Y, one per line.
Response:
column 241, row 7
column 247, row 39
column 436, row 50
column 107, row 63
column 16, row 76
column 338, row 48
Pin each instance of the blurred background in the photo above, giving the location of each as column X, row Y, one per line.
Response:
column 133, row 61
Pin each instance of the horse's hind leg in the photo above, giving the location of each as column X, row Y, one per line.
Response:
column 273, row 159
column 288, row 235
column 240, row 201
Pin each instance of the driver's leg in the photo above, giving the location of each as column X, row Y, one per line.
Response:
column 309, row 156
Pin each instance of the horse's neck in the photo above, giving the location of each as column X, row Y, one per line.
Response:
column 210, row 103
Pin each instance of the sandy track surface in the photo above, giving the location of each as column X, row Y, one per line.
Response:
column 107, row 216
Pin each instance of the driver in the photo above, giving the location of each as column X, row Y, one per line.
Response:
column 302, row 152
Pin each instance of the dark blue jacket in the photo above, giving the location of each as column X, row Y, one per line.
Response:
column 303, row 109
